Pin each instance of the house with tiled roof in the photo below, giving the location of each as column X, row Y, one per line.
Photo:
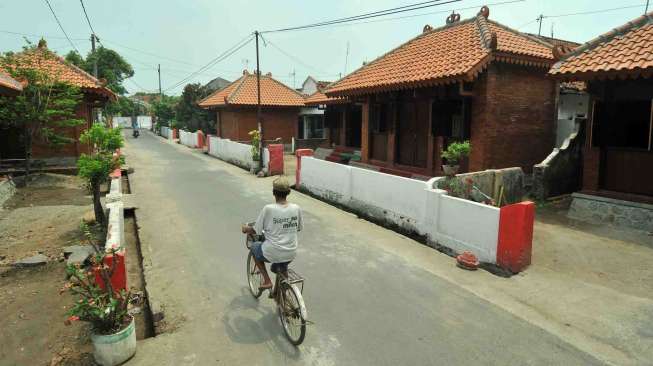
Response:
column 95, row 95
column 8, row 85
column 236, row 106
column 617, row 169
column 472, row 79
column 342, row 122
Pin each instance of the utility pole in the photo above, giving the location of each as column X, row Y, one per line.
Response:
column 94, row 111
column 646, row 10
column 539, row 19
column 294, row 81
column 258, row 106
column 93, row 38
column 159, row 70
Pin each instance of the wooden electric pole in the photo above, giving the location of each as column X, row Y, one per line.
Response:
column 159, row 70
column 539, row 19
column 93, row 38
column 258, row 106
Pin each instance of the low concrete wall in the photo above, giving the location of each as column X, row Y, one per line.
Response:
column 7, row 190
column 236, row 153
column 189, row 139
column 491, row 181
column 561, row 171
column 608, row 211
column 166, row 132
column 415, row 206
column 144, row 122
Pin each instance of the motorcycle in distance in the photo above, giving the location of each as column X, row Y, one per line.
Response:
column 135, row 133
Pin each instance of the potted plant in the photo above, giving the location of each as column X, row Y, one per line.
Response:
column 453, row 154
column 113, row 329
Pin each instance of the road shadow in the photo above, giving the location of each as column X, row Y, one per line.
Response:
column 249, row 321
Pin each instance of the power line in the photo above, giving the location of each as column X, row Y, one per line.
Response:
column 296, row 59
column 233, row 49
column 39, row 35
column 593, row 11
column 86, row 15
column 61, row 27
column 150, row 53
column 374, row 14
column 431, row 13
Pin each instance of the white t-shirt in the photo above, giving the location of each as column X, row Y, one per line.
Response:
column 280, row 224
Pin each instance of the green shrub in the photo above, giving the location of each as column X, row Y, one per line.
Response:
column 456, row 151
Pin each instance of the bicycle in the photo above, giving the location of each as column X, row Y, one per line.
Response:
column 286, row 292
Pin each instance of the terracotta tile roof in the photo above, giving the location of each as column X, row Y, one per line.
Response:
column 556, row 41
column 319, row 97
column 55, row 66
column 244, row 92
column 457, row 51
column 8, row 84
column 627, row 50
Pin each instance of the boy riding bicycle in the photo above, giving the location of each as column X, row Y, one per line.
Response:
column 280, row 222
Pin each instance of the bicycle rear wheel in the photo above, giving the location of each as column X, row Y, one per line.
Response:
column 292, row 313
column 254, row 276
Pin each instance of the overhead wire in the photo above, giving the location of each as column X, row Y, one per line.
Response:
column 375, row 14
column 87, row 19
column 593, row 11
column 230, row 51
column 61, row 26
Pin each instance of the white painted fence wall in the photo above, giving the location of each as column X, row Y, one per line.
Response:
column 407, row 203
column 188, row 138
column 235, row 153
column 144, row 122
column 166, row 132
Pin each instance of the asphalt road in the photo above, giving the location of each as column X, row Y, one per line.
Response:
column 370, row 301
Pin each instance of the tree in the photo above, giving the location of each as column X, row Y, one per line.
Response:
column 45, row 108
column 164, row 109
column 111, row 66
column 96, row 166
column 188, row 113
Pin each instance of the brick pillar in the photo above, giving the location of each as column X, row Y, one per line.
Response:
column 298, row 172
column 276, row 159
column 343, row 129
column 365, row 132
column 515, row 242
column 392, row 134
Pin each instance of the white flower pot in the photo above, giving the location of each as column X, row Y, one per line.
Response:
column 114, row 349
column 450, row 170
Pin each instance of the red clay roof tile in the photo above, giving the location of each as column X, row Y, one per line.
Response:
column 457, row 51
column 55, row 66
column 8, row 83
column 319, row 97
column 625, row 50
column 244, row 92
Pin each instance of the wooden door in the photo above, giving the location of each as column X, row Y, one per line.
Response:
column 412, row 134
column 628, row 171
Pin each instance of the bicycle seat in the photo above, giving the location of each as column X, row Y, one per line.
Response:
column 279, row 267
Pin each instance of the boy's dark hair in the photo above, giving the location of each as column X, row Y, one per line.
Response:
column 280, row 194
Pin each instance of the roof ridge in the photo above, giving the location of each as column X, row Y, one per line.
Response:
column 638, row 22
column 484, row 31
column 522, row 34
column 286, row 86
column 232, row 93
column 423, row 34
column 219, row 90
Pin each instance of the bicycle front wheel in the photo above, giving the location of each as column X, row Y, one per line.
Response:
column 254, row 276
column 292, row 313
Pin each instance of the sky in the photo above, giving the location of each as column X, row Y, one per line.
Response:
column 184, row 35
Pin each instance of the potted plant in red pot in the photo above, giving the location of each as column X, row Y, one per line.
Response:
column 113, row 328
column 453, row 154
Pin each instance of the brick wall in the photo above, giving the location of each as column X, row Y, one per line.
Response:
column 235, row 123
column 42, row 150
column 513, row 121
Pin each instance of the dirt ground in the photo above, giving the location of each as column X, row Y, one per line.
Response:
column 599, row 254
column 41, row 218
